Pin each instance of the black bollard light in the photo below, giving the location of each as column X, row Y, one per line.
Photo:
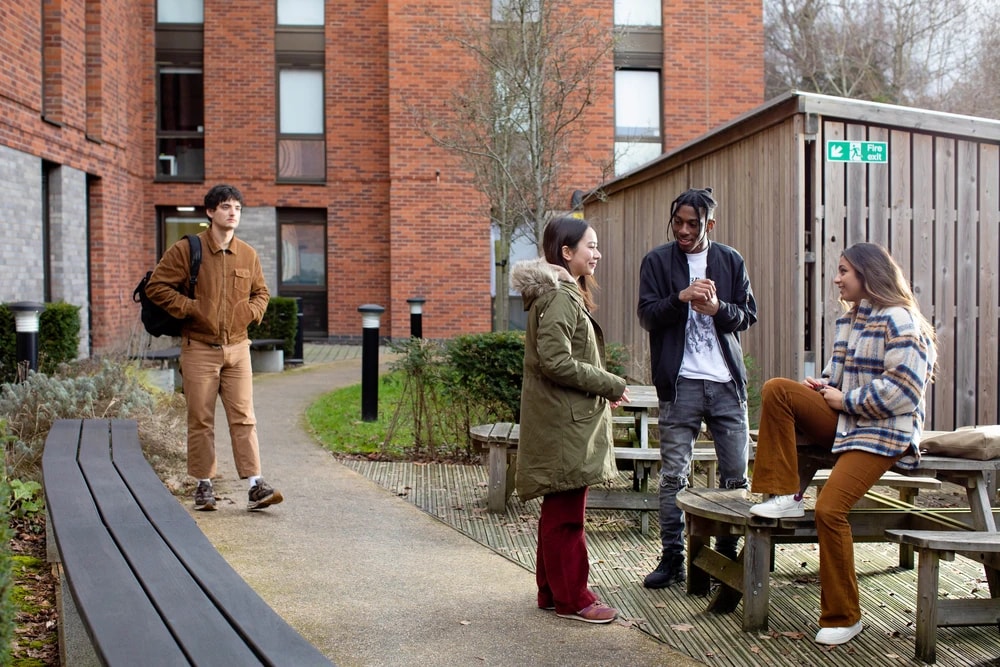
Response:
column 371, row 315
column 416, row 316
column 26, row 326
column 298, row 357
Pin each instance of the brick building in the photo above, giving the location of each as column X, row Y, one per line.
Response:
column 117, row 115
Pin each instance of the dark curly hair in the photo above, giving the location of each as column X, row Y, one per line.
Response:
column 222, row 193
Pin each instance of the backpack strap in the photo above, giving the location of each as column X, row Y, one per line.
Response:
column 195, row 244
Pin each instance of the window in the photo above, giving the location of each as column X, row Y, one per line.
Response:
column 180, row 11
column 516, row 11
column 180, row 130
column 299, row 51
column 180, row 91
column 638, row 12
column 300, row 12
column 176, row 221
column 302, row 265
column 637, row 118
column 301, row 145
column 303, row 254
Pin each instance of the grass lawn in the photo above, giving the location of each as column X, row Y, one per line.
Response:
column 335, row 419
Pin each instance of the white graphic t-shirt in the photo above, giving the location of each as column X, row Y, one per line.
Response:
column 703, row 358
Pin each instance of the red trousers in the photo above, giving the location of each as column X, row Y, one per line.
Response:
column 561, row 565
column 794, row 415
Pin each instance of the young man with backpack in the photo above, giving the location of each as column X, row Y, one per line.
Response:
column 215, row 348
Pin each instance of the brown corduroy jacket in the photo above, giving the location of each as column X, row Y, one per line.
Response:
column 230, row 294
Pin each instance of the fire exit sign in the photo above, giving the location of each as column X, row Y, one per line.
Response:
column 857, row 151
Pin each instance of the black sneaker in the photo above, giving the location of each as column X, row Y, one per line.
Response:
column 204, row 497
column 262, row 495
column 670, row 571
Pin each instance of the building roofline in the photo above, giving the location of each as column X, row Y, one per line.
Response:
column 794, row 102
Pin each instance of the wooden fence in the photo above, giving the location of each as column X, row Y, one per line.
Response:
column 934, row 203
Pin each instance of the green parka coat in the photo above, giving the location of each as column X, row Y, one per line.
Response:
column 565, row 427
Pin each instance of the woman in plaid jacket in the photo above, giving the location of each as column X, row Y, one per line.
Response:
column 867, row 408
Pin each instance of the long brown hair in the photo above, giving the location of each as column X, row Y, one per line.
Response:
column 567, row 231
column 884, row 282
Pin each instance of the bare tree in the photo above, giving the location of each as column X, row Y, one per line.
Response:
column 514, row 121
column 895, row 51
column 976, row 86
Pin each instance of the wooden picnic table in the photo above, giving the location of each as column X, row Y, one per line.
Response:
column 714, row 512
column 642, row 399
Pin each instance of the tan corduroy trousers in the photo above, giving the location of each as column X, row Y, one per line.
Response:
column 793, row 415
column 211, row 371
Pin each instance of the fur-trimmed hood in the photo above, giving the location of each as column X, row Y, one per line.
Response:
column 534, row 277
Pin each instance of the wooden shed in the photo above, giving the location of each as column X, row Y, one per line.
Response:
column 799, row 179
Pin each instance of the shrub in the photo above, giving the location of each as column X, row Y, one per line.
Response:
column 488, row 369
column 618, row 358
column 31, row 406
column 421, row 365
column 281, row 320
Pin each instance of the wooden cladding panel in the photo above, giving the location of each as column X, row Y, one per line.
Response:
column 987, row 396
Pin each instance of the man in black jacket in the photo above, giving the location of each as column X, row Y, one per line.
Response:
column 694, row 300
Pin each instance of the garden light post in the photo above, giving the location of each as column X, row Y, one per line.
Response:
column 298, row 357
column 371, row 315
column 416, row 316
column 26, row 326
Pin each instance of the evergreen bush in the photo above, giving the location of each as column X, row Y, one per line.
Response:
column 487, row 368
column 281, row 320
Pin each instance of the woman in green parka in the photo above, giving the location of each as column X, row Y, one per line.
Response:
column 565, row 442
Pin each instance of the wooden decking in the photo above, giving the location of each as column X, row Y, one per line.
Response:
column 621, row 556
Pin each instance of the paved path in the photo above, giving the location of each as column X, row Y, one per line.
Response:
column 369, row 578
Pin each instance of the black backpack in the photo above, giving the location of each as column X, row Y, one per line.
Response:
column 157, row 321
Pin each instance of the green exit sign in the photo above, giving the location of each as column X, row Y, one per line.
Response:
column 857, row 151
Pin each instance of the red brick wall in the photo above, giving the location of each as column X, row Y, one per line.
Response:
column 713, row 65
column 45, row 113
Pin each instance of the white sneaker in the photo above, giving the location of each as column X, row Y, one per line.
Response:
column 779, row 507
column 838, row 635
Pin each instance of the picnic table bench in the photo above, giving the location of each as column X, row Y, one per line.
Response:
column 500, row 440
column 149, row 587
column 932, row 612
column 714, row 512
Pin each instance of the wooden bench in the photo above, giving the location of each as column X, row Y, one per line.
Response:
column 149, row 587
column 714, row 512
column 932, row 547
column 500, row 442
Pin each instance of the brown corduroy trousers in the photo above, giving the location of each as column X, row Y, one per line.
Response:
column 794, row 415
column 211, row 371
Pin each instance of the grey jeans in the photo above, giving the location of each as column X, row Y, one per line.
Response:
column 721, row 408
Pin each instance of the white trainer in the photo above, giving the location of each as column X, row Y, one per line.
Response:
column 779, row 507
column 838, row 635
